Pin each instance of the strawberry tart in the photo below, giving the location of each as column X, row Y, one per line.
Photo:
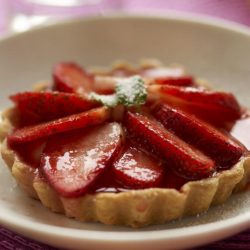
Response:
column 128, row 146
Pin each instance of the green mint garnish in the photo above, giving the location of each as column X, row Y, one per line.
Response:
column 131, row 91
column 128, row 91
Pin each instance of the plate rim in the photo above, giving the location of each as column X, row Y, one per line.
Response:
column 133, row 235
column 242, row 220
column 171, row 15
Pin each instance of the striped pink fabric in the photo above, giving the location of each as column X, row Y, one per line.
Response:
column 234, row 10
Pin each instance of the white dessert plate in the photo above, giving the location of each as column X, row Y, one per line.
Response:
column 213, row 49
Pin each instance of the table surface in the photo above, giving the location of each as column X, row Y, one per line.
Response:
column 238, row 11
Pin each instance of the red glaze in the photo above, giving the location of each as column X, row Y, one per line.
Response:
column 136, row 169
column 184, row 159
column 72, row 162
column 81, row 120
column 220, row 147
column 215, row 107
column 71, row 78
column 89, row 160
column 30, row 152
column 37, row 107
column 172, row 180
column 108, row 181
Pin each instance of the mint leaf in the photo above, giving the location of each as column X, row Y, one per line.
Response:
column 131, row 91
column 107, row 100
column 128, row 91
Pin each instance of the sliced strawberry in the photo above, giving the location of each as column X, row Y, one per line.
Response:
column 151, row 135
column 69, row 77
column 105, row 84
column 74, row 161
column 169, row 76
column 30, row 152
column 81, row 120
column 220, row 147
column 176, row 81
column 38, row 107
column 209, row 105
column 136, row 169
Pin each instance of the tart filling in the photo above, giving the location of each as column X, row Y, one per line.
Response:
column 116, row 148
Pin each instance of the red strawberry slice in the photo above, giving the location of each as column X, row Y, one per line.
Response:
column 38, row 107
column 105, row 84
column 30, row 152
column 209, row 105
column 74, row 161
column 176, row 81
column 151, row 135
column 169, row 76
column 220, row 147
column 81, row 120
column 69, row 77
column 136, row 169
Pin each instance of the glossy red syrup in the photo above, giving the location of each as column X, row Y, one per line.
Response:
column 240, row 129
column 109, row 183
column 30, row 153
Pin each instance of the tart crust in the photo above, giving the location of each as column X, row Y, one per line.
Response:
column 135, row 208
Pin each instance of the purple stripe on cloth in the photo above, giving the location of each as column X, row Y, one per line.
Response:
column 237, row 242
column 11, row 241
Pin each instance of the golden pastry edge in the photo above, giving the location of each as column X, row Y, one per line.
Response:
column 135, row 208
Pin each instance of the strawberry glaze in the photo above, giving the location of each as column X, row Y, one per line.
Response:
column 108, row 183
column 174, row 83
column 30, row 153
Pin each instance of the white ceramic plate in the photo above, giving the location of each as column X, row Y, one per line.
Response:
column 212, row 49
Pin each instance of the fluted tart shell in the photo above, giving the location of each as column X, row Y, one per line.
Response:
column 135, row 208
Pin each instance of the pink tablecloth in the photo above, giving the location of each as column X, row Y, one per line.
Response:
column 234, row 10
